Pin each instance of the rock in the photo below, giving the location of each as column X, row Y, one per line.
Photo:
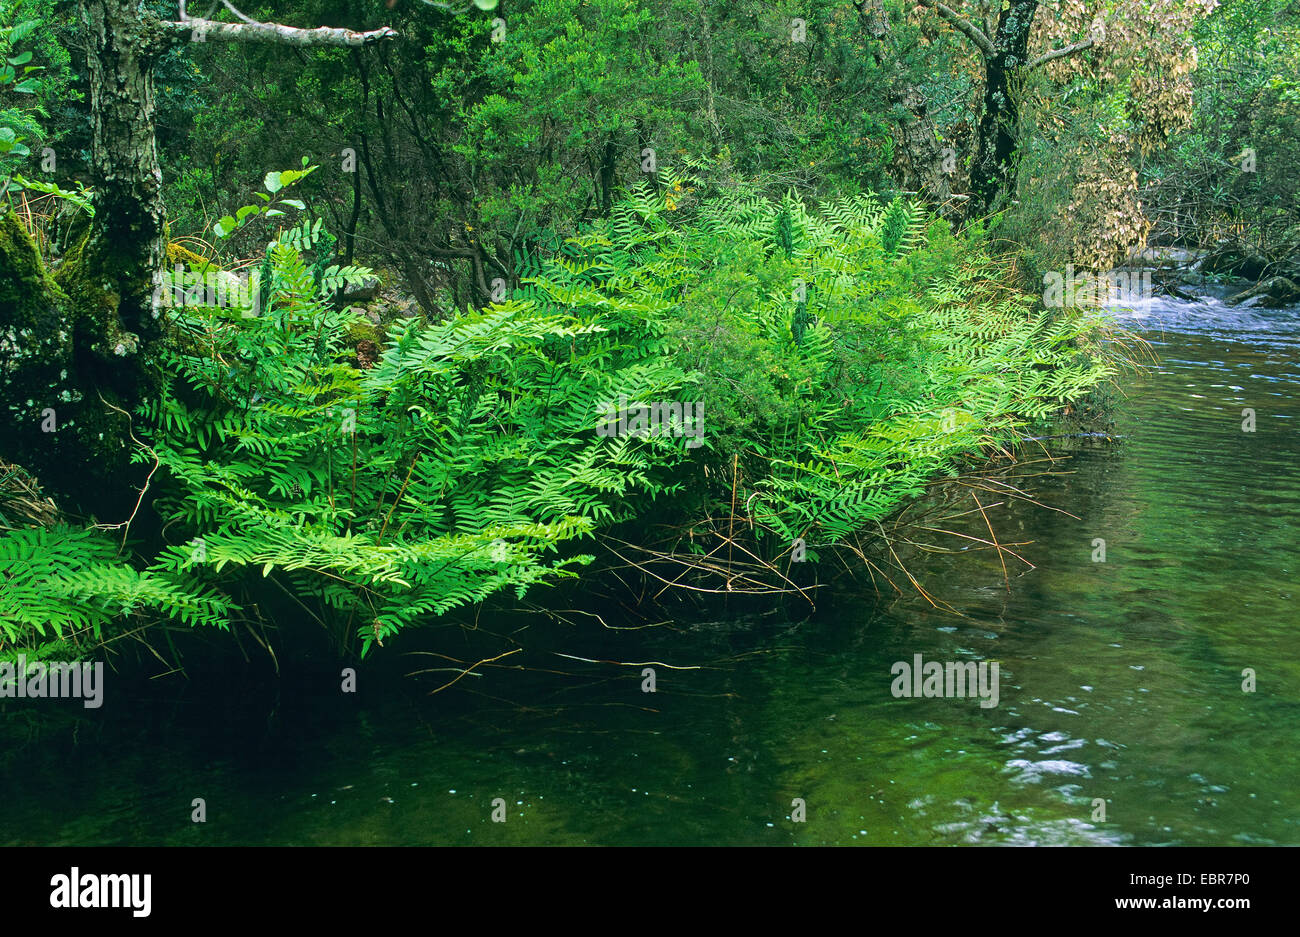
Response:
column 1275, row 291
column 1164, row 257
column 362, row 292
column 367, row 354
column 56, row 359
column 366, row 331
column 1236, row 261
column 1176, row 292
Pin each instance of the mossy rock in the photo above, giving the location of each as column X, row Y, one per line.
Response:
column 36, row 351
column 366, row 332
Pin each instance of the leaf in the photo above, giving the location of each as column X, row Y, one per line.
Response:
column 272, row 182
column 22, row 30
column 49, row 188
column 224, row 226
column 294, row 203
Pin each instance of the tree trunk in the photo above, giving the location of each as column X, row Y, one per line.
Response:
column 919, row 157
column 993, row 172
column 110, row 274
column 127, row 234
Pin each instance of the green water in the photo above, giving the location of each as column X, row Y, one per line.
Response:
column 1120, row 680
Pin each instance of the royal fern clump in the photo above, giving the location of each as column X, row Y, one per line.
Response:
column 844, row 357
column 64, row 588
column 457, row 466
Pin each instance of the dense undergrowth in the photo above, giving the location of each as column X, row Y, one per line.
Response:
column 838, row 359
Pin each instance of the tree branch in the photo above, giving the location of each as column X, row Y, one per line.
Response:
column 229, row 6
column 1062, row 53
column 969, row 29
column 252, row 31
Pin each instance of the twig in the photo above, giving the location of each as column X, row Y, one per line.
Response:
column 138, row 501
column 468, row 669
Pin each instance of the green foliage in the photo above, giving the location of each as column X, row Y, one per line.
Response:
column 17, row 77
column 468, row 145
column 456, row 467
column 63, row 586
column 848, row 372
column 80, row 198
column 271, row 207
column 846, row 354
column 1231, row 173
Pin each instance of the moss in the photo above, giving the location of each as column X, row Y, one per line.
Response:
column 176, row 254
column 25, row 281
column 366, row 332
column 54, row 331
column 92, row 298
column 36, row 351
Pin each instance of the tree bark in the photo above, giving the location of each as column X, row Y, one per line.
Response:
column 111, row 273
column 993, row 171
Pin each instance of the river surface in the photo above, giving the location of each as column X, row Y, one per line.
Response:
column 1121, row 681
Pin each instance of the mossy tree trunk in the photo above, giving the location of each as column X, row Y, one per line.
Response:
column 918, row 154
column 993, row 171
column 119, row 262
column 110, row 275
column 59, row 374
column 1006, row 62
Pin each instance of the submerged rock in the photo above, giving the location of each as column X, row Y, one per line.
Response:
column 1232, row 259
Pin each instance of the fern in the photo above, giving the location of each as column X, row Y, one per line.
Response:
column 64, row 585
